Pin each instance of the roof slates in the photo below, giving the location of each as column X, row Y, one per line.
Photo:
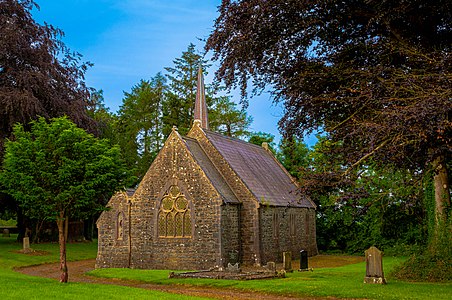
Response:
column 259, row 171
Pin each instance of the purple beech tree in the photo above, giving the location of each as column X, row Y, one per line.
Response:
column 39, row 75
column 374, row 76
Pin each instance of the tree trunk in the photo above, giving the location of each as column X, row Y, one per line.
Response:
column 66, row 229
column 62, row 242
column 22, row 223
column 442, row 194
column 39, row 224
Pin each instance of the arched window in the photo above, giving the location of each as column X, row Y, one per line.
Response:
column 292, row 224
column 120, row 226
column 174, row 219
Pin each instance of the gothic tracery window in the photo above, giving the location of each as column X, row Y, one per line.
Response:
column 174, row 219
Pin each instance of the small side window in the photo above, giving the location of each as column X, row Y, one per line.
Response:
column 292, row 224
column 275, row 224
column 120, row 226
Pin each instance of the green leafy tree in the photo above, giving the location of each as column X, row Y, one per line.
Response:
column 182, row 81
column 294, row 155
column 39, row 76
column 373, row 75
column 140, row 122
column 383, row 206
column 57, row 171
column 105, row 119
column 225, row 118
column 258, row 138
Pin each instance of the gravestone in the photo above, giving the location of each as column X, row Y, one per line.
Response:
column 271, row 266
column 6, row 232
column 26, row 245
column 287, row 261
column 374, row 266
column 233, row 268
column 303, row 260
column 233, row 257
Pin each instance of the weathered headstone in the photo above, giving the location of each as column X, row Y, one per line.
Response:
column 234, row 268
column 374, row 266
column 303, row 260
column 26, row 245
column 271, row 266
column 6, row 232
column 287, row 261
column 233, row 257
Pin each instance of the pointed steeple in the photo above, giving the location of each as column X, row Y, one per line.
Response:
column 200, row 103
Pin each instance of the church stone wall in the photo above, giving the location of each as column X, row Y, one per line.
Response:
column 286, row 229
column 230, row 233
column 249, row 211
column 113, row 245
column 311, row 237
column 175, row 166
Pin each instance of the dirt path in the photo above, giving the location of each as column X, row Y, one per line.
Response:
column 78, row 269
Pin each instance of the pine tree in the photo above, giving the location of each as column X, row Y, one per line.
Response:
column 140, row 122
column 182, row 78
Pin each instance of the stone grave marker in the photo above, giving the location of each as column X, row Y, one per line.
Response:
column 233, row 257
column 287, row 261
column 271, row 266
column 303, row 260
column 6, row 232
column 233, row 268
column 26, row 245
column 374, row 266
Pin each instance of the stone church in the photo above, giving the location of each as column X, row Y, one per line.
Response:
column 207, row 200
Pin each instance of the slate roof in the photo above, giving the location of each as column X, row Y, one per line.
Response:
column 211, row 172
column 260, row 172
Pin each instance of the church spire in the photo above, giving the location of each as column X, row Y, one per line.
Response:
column 200, row 103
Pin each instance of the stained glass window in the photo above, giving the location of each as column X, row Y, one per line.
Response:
column 187, row 224
column 162, row 224
column 178, row 224
column 174, row 218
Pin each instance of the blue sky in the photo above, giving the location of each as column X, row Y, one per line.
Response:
column 129, row 40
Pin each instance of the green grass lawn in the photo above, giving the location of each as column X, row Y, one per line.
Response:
column 14, row 285
column 342, row 282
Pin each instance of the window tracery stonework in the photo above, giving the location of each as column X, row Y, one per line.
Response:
column 174, row 218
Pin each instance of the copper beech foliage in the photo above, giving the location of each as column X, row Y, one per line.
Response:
column 39, row 75
column 373, row 75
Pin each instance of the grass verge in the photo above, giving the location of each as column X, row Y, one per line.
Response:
column 341, row 282
column 15, row 285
